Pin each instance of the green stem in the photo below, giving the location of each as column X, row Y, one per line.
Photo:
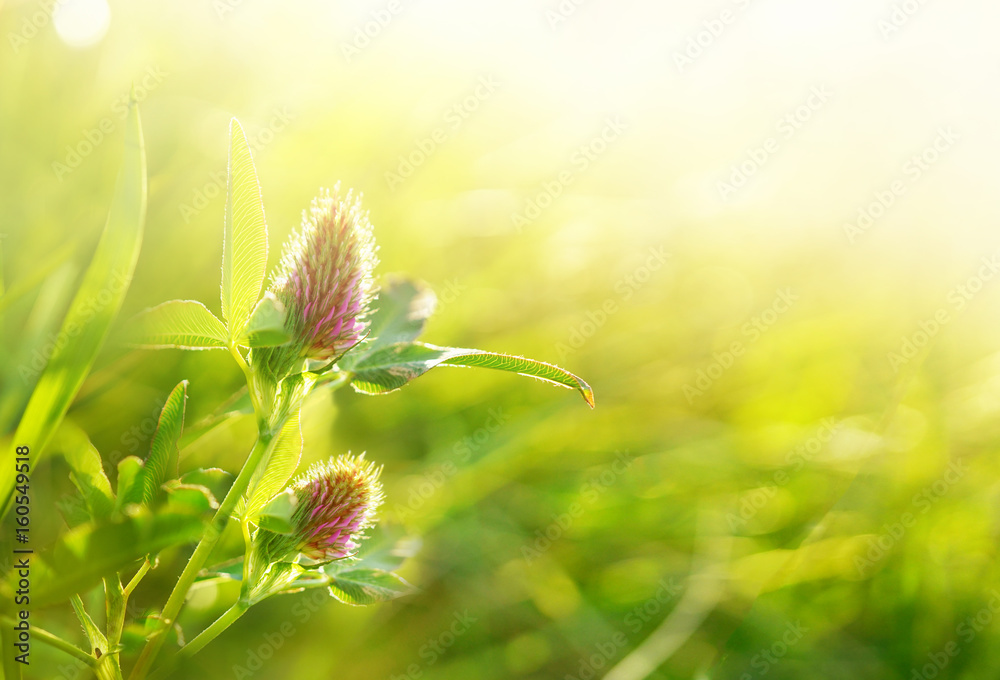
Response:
column 138, row 577
column 55, row 641
column 115, row 600
column 247, row 555
column 204, row 637
column 107, row 668
column 248, row 375
column 265, row 442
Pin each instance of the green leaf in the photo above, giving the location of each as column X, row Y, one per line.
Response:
column 18, row 373
column 404, row 306
column 181, row 324
column 389, row 368
column 266, row 327
column 162, row 461
column 87, row 471
column 244, row 250
column 550, row 373
column 277, row 514
column 87, row 323
column 385, row 549
column 84, row 555
column 130, row 483
column 367, row 586
column 273, row 474
column 188, row 499
column 214, row 480
column 39, row 273
column 90, row 629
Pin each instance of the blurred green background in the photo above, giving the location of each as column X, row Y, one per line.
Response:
column 762, row 232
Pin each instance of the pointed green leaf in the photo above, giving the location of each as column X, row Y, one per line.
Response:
column 90, row 629
column 266, row 327
column 162, row 461
column 402, row 310
column 182, row 324
column 276, row 515
column 130, row 483
column 87, row 323
column 367, row 586
column 84, row 555
column 215, row 480
column 87, row 471
column 392, row 367
column 385, row 549
column 244, row 250
column 474, row 358
column 273, row 474
column 188, row 499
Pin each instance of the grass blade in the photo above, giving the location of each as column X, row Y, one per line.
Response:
column 92, row 311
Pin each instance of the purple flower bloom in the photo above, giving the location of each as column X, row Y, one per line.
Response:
column 325, row 276
column 335, row 501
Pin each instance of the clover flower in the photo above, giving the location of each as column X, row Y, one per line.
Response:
column 325, row 276
column 334, row 502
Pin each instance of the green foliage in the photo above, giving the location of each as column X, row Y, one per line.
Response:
column 188, row 498
column 485, row 465
column 404, row 305
column 83, row 556
column 277, row 514
column 87, row 472
column 183, row 324
column 275, row 473
column 97, row 639
column 392, row 367
column 367, row 586
column 87, row 323
column 244, row 258
column 266, row 327
column 131, row 488
column 389, row 359
column 155, row 508
column 161, row 464
column 214, row 481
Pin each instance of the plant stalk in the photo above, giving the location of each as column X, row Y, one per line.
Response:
column 57, row 642
column 204, row 637
column 138, row 577
column 265, row 443
column 115, row 600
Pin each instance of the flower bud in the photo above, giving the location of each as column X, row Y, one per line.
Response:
column 325, row 276
column 334, row 502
